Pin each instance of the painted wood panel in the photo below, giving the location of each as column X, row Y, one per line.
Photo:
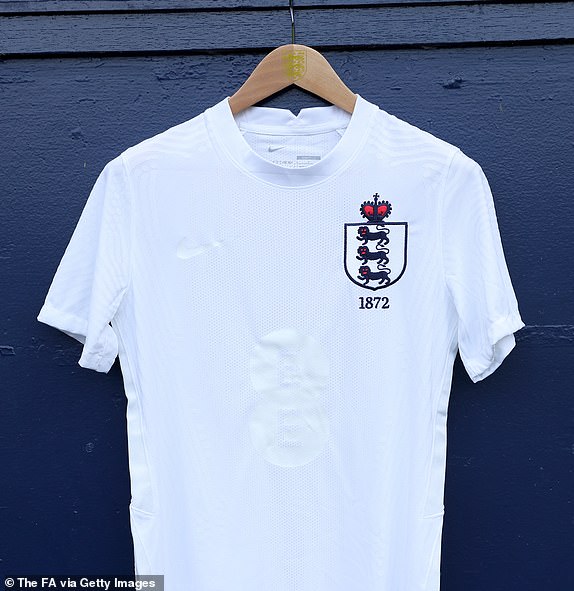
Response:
column 374, row 27
column 76, row 89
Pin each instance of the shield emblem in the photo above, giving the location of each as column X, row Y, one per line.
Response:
column 375, row 253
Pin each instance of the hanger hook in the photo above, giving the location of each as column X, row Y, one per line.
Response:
column 292, row 22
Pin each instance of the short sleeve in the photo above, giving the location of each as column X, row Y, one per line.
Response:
column 475, row 269
column 93, row 274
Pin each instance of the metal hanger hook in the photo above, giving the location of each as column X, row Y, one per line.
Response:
column 292, row 22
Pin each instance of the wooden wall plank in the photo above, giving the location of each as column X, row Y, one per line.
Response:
column 63, row 6
column 248, row 30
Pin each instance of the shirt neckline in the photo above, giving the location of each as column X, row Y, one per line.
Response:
column 225, row 129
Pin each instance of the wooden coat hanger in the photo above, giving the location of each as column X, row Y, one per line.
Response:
column 295, row 64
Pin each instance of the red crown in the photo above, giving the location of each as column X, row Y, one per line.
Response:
column 376, row 211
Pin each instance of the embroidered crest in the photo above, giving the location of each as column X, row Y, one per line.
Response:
column 375, row 250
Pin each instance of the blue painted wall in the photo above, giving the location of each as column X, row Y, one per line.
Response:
column 497, row 83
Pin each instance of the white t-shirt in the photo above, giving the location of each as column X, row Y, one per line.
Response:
column 287, row 294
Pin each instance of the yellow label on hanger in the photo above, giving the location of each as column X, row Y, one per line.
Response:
column 294, row 63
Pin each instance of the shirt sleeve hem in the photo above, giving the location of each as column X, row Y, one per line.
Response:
column 76, row 327
column 502, row 342
column 101, row 362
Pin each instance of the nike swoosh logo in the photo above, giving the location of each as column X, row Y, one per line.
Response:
column 187, row 249
column 275, row 148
